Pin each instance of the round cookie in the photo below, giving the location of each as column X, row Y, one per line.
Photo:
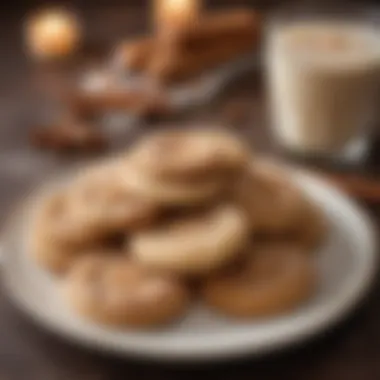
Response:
column 191, row 154
column 276, row 206
column 274, row 279
column 104, row 205
column 165, row 193
column 312, row 228
column 270, row 202
column 60, row 234
column 51, row 255
column 305, row 221
column 53, row 218
column 55, row 238
column 194, row 245
column 116, row 291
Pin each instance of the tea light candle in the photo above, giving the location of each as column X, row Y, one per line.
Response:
column 173, row 13
column 52, row 34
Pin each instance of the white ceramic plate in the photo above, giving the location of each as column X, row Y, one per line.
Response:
column 346, row 265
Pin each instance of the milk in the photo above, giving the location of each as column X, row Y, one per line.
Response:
column 323, row 81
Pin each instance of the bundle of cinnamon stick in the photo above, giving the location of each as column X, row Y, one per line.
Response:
column 185, row 52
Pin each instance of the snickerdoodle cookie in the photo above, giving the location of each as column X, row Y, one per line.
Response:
column 276, row 206
column 195, row 244
column 274, row 279
column 191, row 154
column 116, row 291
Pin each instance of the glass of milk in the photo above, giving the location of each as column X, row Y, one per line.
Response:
column 323, row 72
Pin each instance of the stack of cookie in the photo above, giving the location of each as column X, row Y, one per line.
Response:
column 131, row 236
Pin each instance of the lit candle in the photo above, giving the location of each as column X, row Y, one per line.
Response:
column 52, row 33
column 174, row 13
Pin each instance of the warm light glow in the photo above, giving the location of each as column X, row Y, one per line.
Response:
column 172, row 13
column 175, row 5
column 53, row 25
column 52, row 33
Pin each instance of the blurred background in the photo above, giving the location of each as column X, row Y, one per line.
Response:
column 29, row 354
column 103, row 25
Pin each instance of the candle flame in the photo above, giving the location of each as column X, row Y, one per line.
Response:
column 178, row 4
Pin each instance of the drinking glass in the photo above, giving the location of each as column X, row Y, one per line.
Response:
column 323, row 71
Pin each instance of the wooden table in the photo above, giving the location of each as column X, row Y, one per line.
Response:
column 350, row 352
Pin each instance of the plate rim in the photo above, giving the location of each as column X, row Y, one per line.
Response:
column 355, row 293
